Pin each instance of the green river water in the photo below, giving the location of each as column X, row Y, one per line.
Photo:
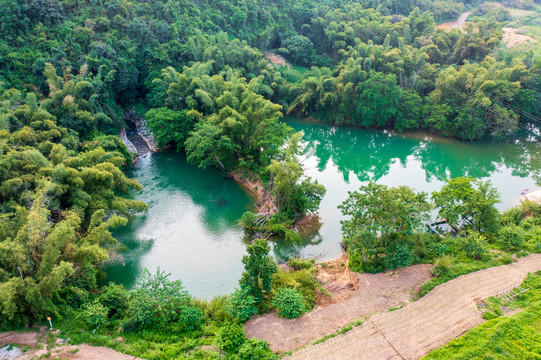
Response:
column 190, row 229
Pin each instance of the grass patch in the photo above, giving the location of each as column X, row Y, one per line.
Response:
column 340, row 331
column 514, row 337
column 463, row 266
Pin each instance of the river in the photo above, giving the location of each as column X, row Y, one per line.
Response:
column 190, row 229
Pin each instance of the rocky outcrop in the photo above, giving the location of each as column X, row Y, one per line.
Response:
column 142, row 129
column 131, row 148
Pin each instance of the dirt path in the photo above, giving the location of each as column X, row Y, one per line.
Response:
column 78, row 352
column 73, row 352
column 377, row 292
column 459, row 23
column 411, row 332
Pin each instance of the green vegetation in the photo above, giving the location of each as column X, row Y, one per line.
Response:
column 386, row 230
column 71, row 69
column 473, row 207
column 340, row 331
column 289, row 302
column 516, row 336
column 381, row 218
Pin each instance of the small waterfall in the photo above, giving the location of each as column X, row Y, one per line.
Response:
column 137, row 137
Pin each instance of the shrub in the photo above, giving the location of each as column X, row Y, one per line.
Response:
column 230, row 337
column 511, row 236
column 443, row 264
column 289, row 302
column 474, row 245
column 191, row 318
column 156, row 301
column 255, row 349
column 436, row 250
column 505, row 259
column 300, row 264
column 116, row 298
column 422, row 244
column 95, row 314
column 247, row 220
column 215, row 309
column 242, row 305
column 292, row 237
column 304, row 281
column 513, row 216
column 489, row 315
column 373, row 266
column 398, row 256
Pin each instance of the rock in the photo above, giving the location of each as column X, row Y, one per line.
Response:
column 10, row 352
column 127, row 142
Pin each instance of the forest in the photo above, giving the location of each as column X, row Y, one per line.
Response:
column 199, row 73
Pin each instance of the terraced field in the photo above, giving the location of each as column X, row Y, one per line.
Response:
column 411, row 332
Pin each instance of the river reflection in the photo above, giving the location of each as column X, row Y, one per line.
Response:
column 344, row 158
column 191, row 227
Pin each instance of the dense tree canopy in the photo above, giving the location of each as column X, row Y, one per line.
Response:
column 200, row 70
column 59, row 199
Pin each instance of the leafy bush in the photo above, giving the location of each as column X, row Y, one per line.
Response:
column 115, row 298
column 289, row 302
column 191, row 318
column 255, row 349
column 436, row 250
column 513, row 216
column 443, row 264
column 489, row 315
column 292, row 237
column 156, row 301
column 398, row 256
column 247, row 220
column 373, row 266
column 423, row 245
column 300, row 264
column 304, row 281
column 242, row 305
column 511, row 236
column 95, row 314
column 474, row 245
column 230, row 337
column 215, row 310
column 259, row 268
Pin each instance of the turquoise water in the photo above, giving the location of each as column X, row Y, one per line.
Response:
column 190, row 229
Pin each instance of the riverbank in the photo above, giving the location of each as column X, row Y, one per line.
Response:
column 265, row 202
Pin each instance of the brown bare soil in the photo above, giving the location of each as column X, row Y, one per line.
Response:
column 29, row 338
column 78, row 352
column 75, row 352
column 419, row 327
column 336, row 277
column 275, row 58
column 264, row 200
column 513, row 37
column 376, row 292
column 459, row 23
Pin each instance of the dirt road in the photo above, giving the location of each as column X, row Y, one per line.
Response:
column 377, row 292
column 459, row 23
column 411, row 332
column 72, row 352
